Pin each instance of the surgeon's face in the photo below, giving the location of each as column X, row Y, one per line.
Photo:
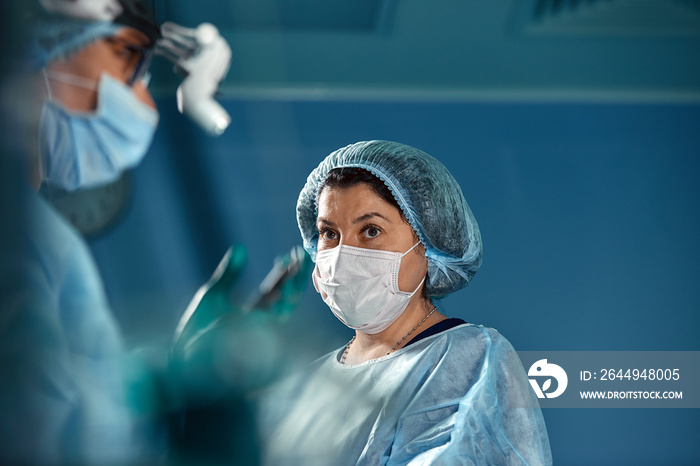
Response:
column 357, row 216
column 116, row 56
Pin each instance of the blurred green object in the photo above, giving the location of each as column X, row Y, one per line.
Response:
column 222, row 352
column 212, row 300
column 283, row 287
column 221, row 348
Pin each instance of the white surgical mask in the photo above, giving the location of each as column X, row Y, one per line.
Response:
column 361, row 286
column 87, row 149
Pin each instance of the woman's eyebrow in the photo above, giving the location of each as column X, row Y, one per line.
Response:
column 368, row 216
column 325, row 222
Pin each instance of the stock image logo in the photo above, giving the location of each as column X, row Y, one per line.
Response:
column 542, row 370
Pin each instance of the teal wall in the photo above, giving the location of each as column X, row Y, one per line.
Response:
column 590, row 215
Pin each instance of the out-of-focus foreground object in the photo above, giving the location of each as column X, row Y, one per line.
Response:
column 236, row 345
column 221, row 353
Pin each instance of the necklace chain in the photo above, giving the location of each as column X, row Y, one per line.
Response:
column 398, row 343
column 401, row 341
column 347, row 348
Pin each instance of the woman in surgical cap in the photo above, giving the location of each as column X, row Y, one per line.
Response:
column 390, row 232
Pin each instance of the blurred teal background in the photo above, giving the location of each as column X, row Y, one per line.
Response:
column 572, row 127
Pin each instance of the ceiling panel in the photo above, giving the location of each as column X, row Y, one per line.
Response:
column 281, row 15
column 671, row 18
column 455, row 49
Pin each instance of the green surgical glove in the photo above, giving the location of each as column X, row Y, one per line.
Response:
column 222, row 348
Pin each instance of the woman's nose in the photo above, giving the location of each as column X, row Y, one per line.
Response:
column 348, row 241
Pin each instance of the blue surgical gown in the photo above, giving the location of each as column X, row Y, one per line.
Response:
column 62, row 398
column 458, row 397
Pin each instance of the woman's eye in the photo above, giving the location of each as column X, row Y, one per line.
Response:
column 127, row 53
column 122, row 51
column 371, row 232
column 327, row 235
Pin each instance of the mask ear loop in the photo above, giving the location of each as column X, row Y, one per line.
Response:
column 397, row 273
column 412, row 248
column 41, row 163
column 46, row 82
column 72, row 79
column 417, row 288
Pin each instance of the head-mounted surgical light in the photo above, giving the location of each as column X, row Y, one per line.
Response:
column 202, row 57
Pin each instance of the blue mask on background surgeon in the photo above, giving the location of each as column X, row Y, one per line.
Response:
column 88, row 149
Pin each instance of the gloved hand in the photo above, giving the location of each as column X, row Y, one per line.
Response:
column 212, row 300
column 283, row 287
column 224, row 349
column 155, row 378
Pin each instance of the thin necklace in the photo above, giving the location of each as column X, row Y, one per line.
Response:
column 401, row 341
column 347, row 348
column 398, row 343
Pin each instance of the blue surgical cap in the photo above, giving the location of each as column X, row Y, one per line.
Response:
column 58, row 37
column 429, row 197
column 57, row 34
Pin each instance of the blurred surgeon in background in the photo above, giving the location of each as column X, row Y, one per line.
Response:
column 97, row 117
column 86, row 116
